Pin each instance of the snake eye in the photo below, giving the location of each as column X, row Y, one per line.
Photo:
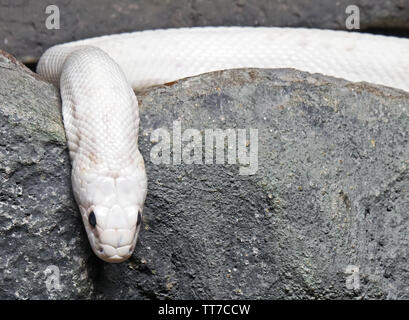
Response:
column 92, row 220
column 139, row 219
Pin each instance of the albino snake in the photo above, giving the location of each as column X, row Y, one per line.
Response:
column 100, row 110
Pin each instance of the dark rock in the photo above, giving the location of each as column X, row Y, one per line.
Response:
column 330, row 193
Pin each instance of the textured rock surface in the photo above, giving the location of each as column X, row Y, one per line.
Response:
column 39, row 224
column 24, row 34
column 331, row 190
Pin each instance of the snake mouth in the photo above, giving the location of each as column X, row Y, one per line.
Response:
column 112, row 254
column 121, row 254
column 114, row 259
column 114, row 245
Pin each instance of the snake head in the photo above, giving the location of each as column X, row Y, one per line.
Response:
column 112, row 232
column 111, row 210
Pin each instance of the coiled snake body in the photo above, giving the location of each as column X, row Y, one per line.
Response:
column 100, row 111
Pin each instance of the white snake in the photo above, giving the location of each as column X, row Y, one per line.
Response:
column 100, row 110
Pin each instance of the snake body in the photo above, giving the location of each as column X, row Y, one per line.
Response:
column 97, row 76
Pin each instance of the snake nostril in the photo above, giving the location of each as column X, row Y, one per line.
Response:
column 92, row 220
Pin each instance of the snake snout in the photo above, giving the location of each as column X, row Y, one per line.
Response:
column 115, row 232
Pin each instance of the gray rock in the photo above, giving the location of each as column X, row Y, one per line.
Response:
column 330, row 192
column 23, row 30
column 39, row 223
